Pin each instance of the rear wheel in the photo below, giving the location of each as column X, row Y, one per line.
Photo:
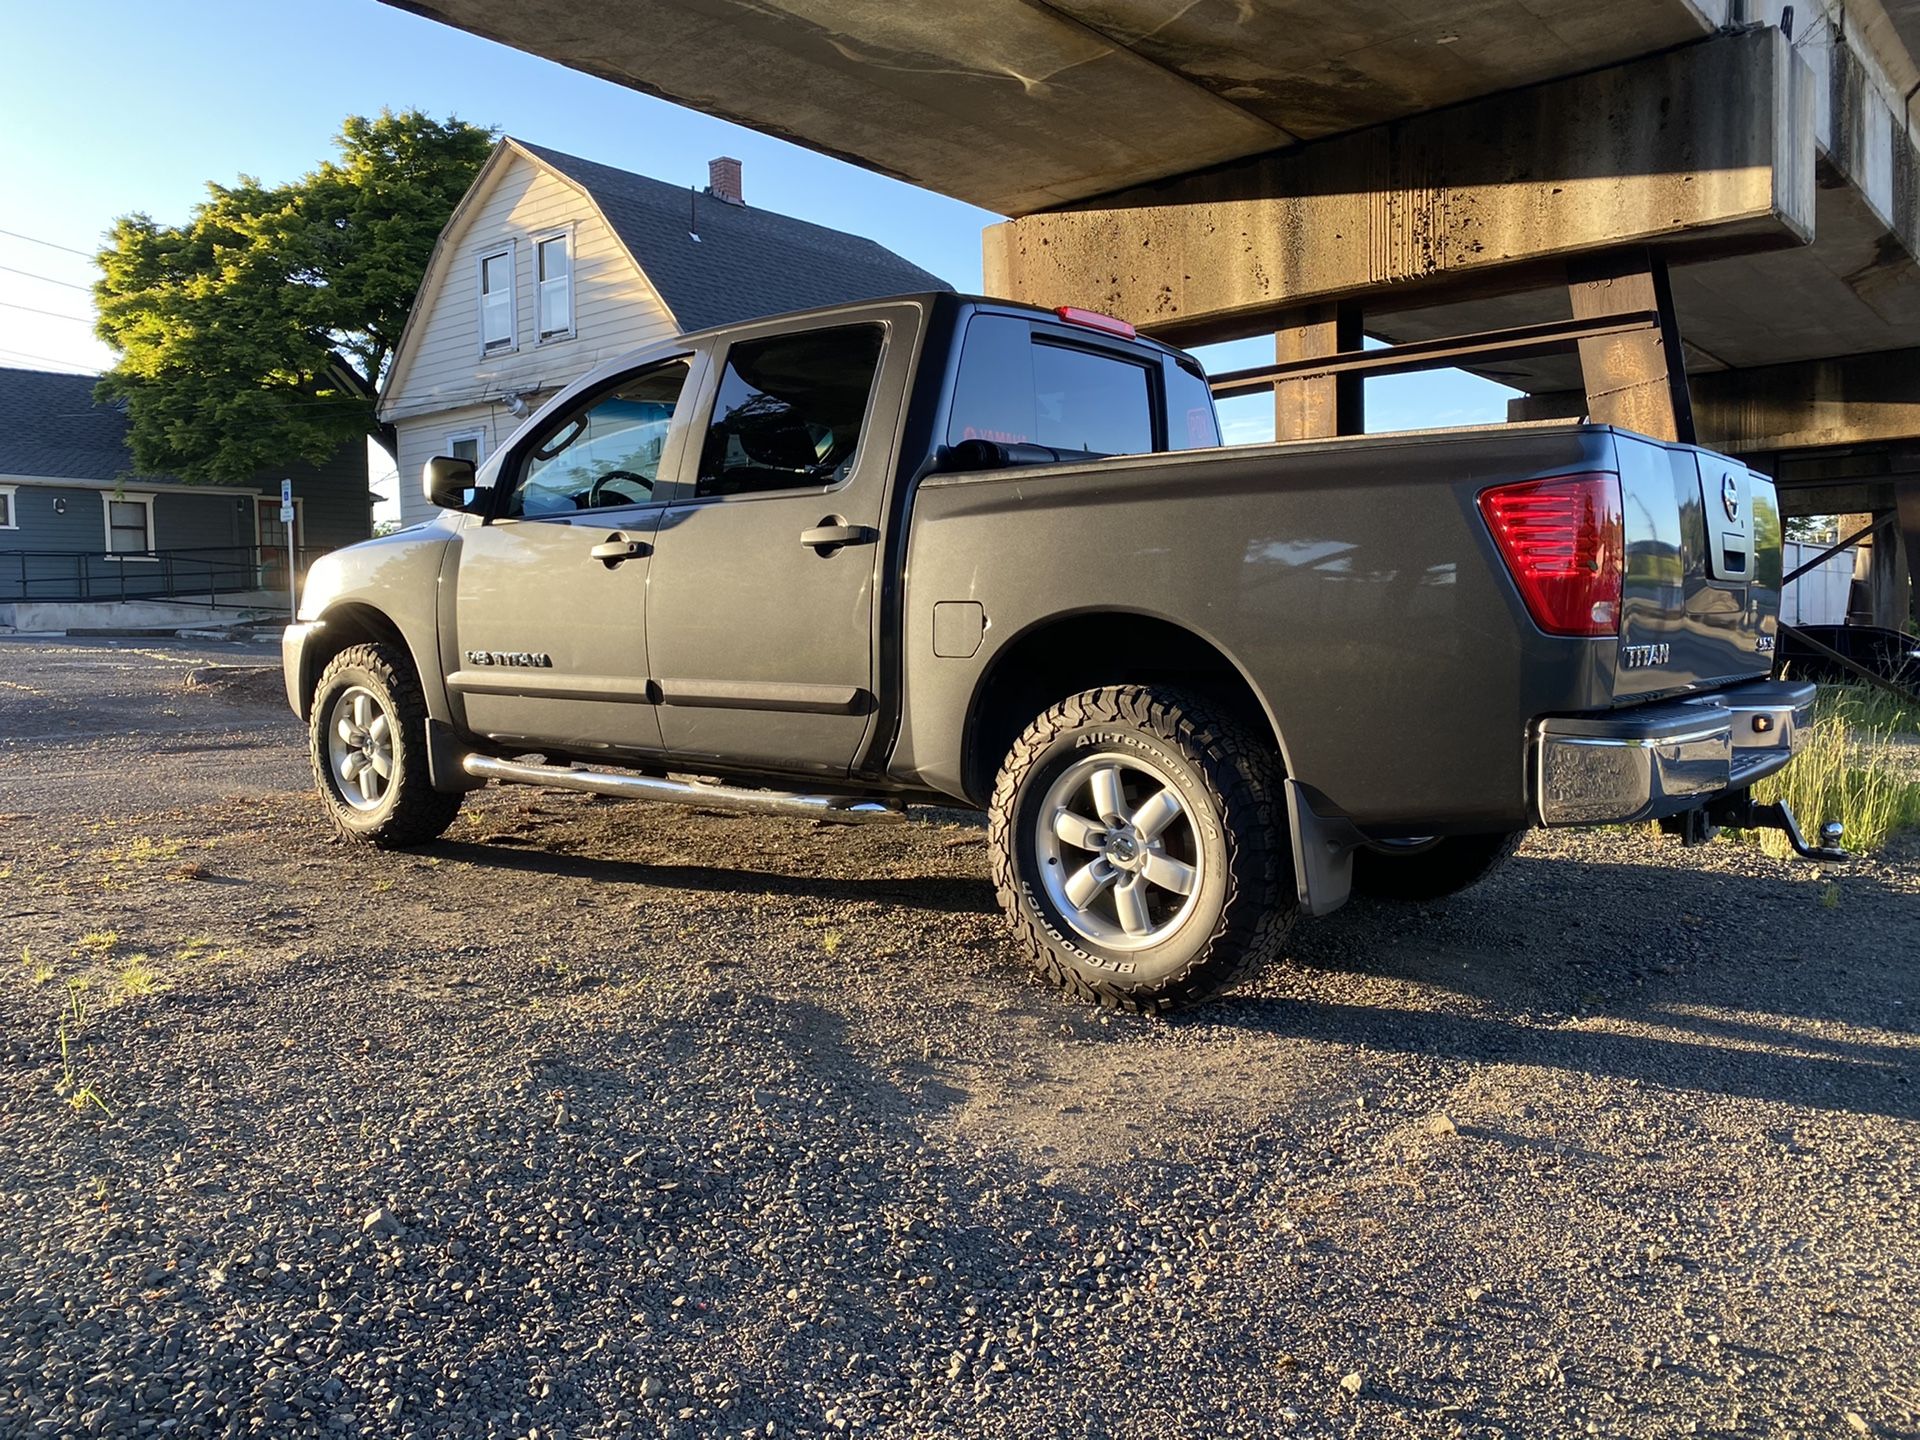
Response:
column 1429, row 868
column 1139, row 846
column 367, row 741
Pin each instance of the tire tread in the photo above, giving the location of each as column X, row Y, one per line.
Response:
column 1242, row 774
column 420, row 813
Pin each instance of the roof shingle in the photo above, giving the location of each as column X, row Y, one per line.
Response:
column 50, row 426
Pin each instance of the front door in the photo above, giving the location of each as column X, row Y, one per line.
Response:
column 549, row 641
column 760, row 618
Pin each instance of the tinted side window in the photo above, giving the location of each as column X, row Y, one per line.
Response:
column 607, row 452
column 789, row 411
column 1191, row 421
column 1019, row 388
column 993, row 397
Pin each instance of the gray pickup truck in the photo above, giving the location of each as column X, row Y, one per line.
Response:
column 951, row 550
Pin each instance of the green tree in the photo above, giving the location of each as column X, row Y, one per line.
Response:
column 259, row 331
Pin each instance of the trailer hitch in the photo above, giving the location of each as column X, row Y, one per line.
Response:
column 1743, row 812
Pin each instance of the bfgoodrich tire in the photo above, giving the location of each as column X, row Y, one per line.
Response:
column 1139, row 849
column 1430, row 869
column 367, row 741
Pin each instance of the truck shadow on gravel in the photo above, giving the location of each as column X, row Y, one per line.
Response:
column 919, row 892
column 1526, row 971
column 1856, row 1086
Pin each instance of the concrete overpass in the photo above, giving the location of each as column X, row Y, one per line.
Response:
column 1598, row 191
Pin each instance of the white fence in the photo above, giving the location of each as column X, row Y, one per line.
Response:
column 1818, row 597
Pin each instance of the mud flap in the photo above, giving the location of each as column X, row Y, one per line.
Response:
column 445, row 757
column 1323, row 846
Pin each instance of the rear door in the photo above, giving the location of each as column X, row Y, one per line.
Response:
column 761, row 613
column 548, row 641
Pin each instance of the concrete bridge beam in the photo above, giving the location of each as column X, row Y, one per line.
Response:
column 1851, row 400
column 1702, row 151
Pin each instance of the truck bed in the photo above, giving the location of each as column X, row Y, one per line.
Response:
column 1355, row 586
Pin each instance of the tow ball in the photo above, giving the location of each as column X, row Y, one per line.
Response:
column 1743, row 812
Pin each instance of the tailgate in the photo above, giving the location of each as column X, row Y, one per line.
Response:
column 1701, row 602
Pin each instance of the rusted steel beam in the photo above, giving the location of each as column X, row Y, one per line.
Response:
column 1437, row 354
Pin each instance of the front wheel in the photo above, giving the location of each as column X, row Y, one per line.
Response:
column 1139, row 848
column 367, row 741
column 1431, row 868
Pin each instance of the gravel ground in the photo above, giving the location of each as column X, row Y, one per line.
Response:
column 604, row 1120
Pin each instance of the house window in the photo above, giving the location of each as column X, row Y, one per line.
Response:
column 9, row 520
column 496, row 300
column 467, row 445
column 553, row 270
column 129, row 524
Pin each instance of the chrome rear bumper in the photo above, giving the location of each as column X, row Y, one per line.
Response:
column 1652, row 761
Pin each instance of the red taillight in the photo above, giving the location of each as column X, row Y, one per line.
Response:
column 1094, row 320
column 1565, row 547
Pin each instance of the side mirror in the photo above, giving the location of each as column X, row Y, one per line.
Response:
column 448, row 482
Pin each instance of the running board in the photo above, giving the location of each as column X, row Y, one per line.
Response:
column 838, row 809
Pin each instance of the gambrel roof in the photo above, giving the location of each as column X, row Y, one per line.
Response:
column 745, row 263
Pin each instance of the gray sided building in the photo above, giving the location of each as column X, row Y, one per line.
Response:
column 78, row 523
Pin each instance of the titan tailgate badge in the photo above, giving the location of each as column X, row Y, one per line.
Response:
column 1641, row 657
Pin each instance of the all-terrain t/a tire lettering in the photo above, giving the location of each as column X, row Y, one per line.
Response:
column 1139, row 848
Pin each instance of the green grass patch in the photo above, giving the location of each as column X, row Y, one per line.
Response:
column 135, row 977
column 1848, row 771
column 1868, row 707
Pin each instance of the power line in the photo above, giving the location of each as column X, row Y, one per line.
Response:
column 49, row 360
column 50, row 244
column 31, row 275
column 51, row 314
column 296, row 403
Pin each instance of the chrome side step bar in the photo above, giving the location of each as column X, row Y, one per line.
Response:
column 839, row 809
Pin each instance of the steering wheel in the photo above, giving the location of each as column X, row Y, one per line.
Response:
column 593, row 493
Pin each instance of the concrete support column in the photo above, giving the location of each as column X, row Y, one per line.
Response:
column 1315, row 407
column 1883, row 563
column 1638, row 380
column 1903, row 607
column 1889, row 581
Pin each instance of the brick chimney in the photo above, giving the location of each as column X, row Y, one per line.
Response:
column 723, row 180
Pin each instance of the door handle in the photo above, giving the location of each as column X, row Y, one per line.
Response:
column 617, row 548
column 833, row 532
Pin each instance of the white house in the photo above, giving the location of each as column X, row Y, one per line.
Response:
column 551, row 264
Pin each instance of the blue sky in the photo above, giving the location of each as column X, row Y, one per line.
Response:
column 171, row 96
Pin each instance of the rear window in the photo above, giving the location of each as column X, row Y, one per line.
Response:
column 1022, row 389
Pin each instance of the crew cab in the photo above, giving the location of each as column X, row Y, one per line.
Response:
column 948, row 549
